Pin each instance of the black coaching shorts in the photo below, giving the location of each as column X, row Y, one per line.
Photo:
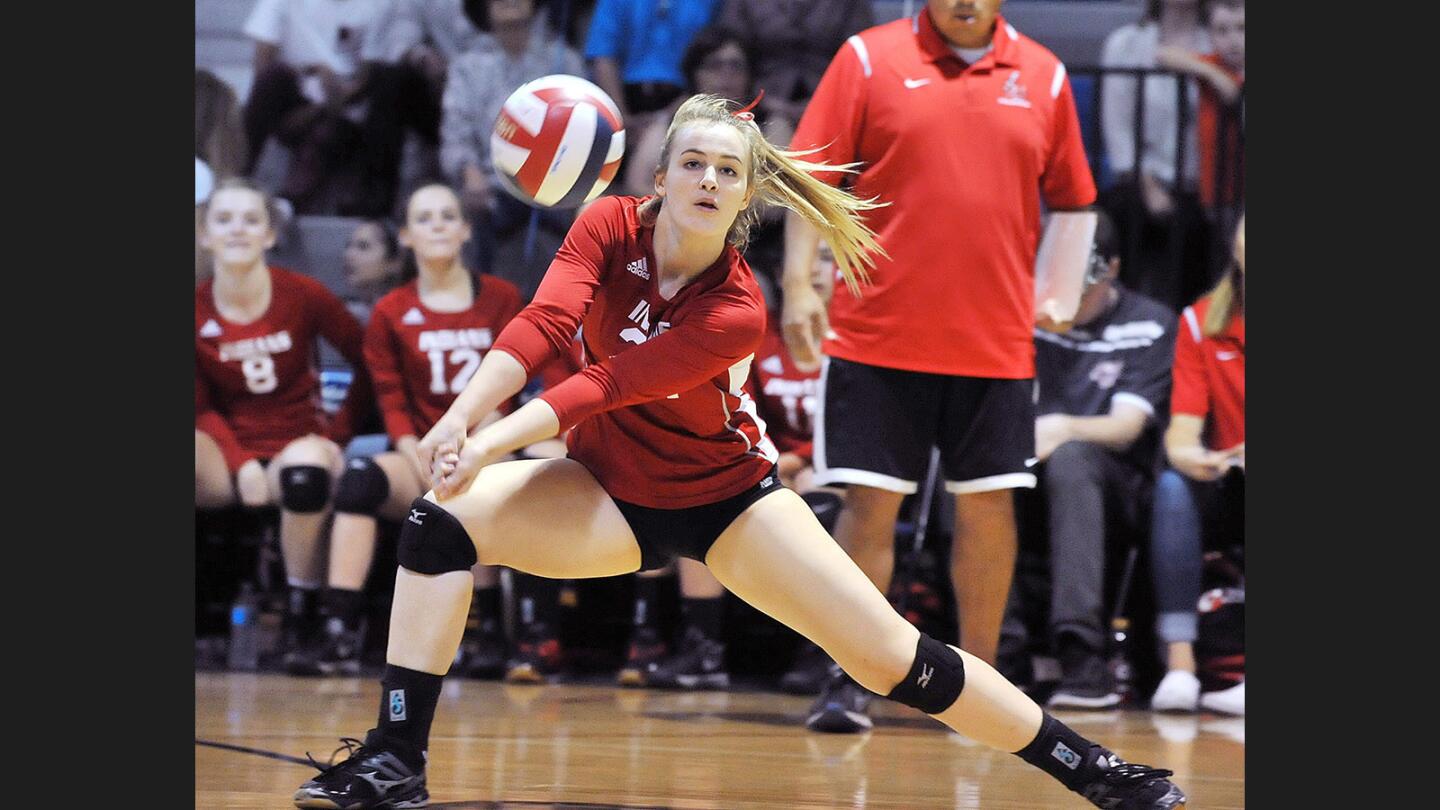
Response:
column 875, row 427
column 665, row 534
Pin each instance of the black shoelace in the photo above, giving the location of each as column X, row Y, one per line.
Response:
column 354, row 749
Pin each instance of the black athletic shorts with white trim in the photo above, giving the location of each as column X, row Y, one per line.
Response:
column 875, row 428
column 665, row 534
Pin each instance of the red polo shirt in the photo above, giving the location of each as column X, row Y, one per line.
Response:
column 964, row 154
column 1209, row 376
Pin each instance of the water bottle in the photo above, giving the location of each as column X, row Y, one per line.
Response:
column 244, row 652
column 1120, row 658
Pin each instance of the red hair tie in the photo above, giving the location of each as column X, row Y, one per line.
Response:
column 744, row 113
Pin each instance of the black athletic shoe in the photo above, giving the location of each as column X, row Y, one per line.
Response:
column 481, row 656
column 808, row 672
column 369, row 777
column 646, row 649
column 337, row 653
column 1085, row 682
column 1121, row 785
column 537, row 655
column 840, row 709
column 698, row 664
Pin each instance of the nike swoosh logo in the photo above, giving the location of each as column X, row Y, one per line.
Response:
column 914, row 83
column 1226, row 355
column 1032, row 461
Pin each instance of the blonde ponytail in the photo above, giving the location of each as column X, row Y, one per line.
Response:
column 783, row 178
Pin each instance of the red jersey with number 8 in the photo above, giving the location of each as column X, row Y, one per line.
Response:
column 257, row 387
column 660, row 413
column 421, row 359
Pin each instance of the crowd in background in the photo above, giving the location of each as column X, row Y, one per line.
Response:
column 381, row 110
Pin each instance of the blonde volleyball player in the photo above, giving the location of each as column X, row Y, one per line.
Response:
column 672, row 317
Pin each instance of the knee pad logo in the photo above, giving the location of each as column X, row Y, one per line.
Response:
column 397, row 705
column 925, row 673
column 415, row 515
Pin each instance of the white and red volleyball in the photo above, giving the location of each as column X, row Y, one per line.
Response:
column 558, row 141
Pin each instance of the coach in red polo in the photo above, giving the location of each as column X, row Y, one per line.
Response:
column 963, row 126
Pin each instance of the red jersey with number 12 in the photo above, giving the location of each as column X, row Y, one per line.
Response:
column 660, row 413
column 421, row 359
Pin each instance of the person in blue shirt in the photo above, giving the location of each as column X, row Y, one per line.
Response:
column 634, row 48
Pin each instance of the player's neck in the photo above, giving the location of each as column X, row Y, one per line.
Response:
column 445, row 287
column 1177, row 24
column 242, row 293
column 513, row 38
column 682, row 256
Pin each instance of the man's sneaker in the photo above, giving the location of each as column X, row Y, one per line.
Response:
column 1179, row 691
column 337, row 652
column 808, row 672
column 647, row 648
column 537, row 655
column 369, row 777
column 1085, row 681
column 1226, row 701
column 698, row 664
column 840, row 709
column 481, row 656
column 1120, row 785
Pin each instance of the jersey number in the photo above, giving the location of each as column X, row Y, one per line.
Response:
column 259, row 374
column 467, row 359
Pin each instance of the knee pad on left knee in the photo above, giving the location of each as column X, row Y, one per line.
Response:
column 432, row 541
column 935, row 678
column 363, row 487
column 304, row 488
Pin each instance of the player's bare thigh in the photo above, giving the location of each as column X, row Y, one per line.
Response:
column 548, row 517
column 214, row 487
column 778, row 558
column 307, row 451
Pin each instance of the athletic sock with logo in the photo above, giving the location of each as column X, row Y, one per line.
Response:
column 407, row 707
column 1060, row 752
column 647, row 600
column 704, row 615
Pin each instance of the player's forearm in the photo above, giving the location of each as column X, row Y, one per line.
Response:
column 1114, row 432
column 499, row 377
column 802, row 241
column 535, row 421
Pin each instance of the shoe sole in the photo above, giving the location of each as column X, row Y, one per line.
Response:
column 304, row 800
column 525, row 674
column 835, row 720
column 719, row 680
column 1062, row 700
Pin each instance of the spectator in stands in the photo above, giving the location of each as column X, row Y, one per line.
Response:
column 1102, row 388
column 1154, row 200
column 261, row 437
column 479, row 82
column 941, row 341
column 1199, row 499
column 219, row 128
column 423, row 342
column 1221, row 118
column 635, row 48
column 309, row 91
column 406, row 59
column 373, row 265
column 794, row 41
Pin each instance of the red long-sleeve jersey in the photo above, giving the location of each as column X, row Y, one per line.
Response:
column 257, row 386
column 660, row 414
column 785, row 396
column 421, row 359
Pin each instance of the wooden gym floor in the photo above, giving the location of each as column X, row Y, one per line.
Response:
column 573, row 746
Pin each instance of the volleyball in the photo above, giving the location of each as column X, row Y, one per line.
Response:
column 557, row 142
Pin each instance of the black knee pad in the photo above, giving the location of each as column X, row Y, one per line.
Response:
column 363, row 487
column 432, row 541
column 935, row 679
column 304, row 488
